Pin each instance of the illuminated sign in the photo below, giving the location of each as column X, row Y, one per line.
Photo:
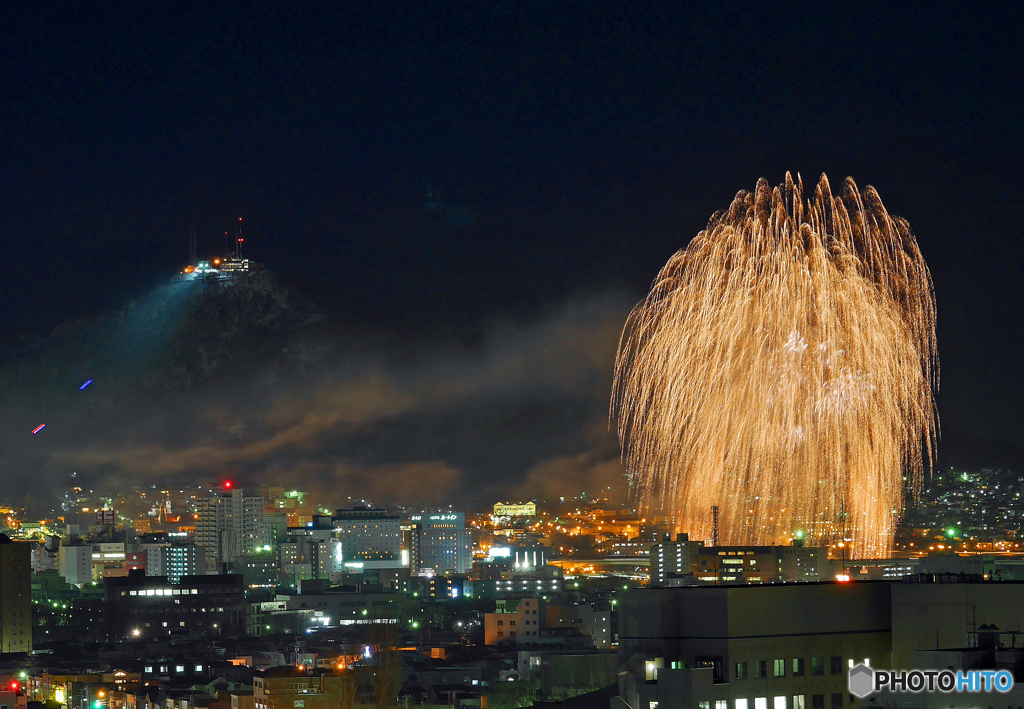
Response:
column 502, row 552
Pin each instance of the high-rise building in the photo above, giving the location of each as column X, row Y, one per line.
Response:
column 228, row 526
column 174, row 560
column 445, row 543
column 411, row 545
column 673, row 559
column 368, row 534
column 317, row 544
column 15, row 596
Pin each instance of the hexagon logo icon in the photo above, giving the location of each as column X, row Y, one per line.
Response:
column 861, row 681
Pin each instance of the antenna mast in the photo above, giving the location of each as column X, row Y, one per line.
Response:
column 714, row 525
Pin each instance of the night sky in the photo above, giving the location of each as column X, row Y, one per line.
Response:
column 490, row 187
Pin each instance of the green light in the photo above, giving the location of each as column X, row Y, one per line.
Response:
column 951, row 532
column 415, row 625
column 799, row 534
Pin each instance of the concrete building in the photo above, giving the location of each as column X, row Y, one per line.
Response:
column 445, row 543
column 15, row 595
column 142, row 607
column 947, row 612
column 584, row 619
column 673, row 559
column 228, row 525
column 517, row 621
column 684, row 562
column 174, row 560
column 318, row 545
column 368, row 534
column 290, row 688
column 74, row 563
column 750, row 647
column 411, row 545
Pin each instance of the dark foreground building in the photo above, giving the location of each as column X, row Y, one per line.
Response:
column 141, row 607
column 15, row 596
column 750, row 647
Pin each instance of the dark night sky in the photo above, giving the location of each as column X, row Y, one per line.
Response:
column 574, row 148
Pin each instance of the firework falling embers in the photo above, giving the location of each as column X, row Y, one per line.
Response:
column 783, row 367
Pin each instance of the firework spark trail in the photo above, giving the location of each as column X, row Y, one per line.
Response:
column 782, row 367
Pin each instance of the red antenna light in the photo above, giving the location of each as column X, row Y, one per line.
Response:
column 227, row 484
column 241, row 239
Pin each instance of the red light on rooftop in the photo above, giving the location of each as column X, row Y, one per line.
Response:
column 228, row 484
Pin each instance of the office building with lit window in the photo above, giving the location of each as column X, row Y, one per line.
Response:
column 228, row 525
column 445, row 543
column 368, row 534
column 683, row 562
column 143, row 607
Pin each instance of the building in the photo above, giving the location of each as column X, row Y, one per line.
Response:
column 584, row 619
column 518, row 621
column 15, row 595
column 174, row 560
column 228, row 525
column 673, row 559
column 141, row 607
column 445, row 543
column 685, row 562
column 288, row 687
column 526, row 509
column 315, row 607
column 258, row 570
column 74, row 563
column 317, row 543
column 939, row 611
column 750, row 647
column 368, row 534
column 411, row 545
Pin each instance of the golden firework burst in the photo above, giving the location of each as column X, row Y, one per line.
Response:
column 782, row 367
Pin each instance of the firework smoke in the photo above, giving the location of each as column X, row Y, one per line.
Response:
column 782, row 367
